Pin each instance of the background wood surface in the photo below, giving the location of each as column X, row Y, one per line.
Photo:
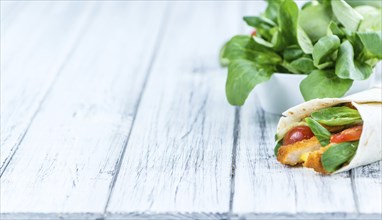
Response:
column 115, row 110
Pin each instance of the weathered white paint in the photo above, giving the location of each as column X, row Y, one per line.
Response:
column 178, row 158
column 88, row 70
column 36, row 40
column 66, row 161
column 367, row 184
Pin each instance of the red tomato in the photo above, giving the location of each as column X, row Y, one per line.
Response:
column 350, row 134
column 253, row 33
column 296, row 134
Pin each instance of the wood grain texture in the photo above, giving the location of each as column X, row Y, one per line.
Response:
column 66, row 161
column 367, row 186
column 36, row 40
column 79, row 142
column 178, row 158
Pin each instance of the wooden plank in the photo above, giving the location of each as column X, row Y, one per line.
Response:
column 37, row 38
column 178, row 158
column 367, row 184
column 66, row 161
column 264, row 187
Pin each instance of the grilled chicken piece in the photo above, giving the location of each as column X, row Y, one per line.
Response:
column 291, row 154
column 313, row 160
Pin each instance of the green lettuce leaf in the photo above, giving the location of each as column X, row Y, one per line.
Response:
column 347, row 67
column 324, row 48
column 321, row 133
column 372, row 18
column 336, row 116
column 314, row 20
column 243, row 76
column 337, row 155
column 244, row 47
column 323, row 84
column 288, row 21
column 346, row 15
column 371, row 44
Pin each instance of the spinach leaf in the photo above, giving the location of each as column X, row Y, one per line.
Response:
column 346, row 15
column 322, row 84
column 317, row 27
column 321, row 133
column 243, row 76
column 288, row 21
column 244, row 47
column 324, row 48
column 335, row 116
column 347, row 68
column 338, row 154
column 277, row 147
column 372, row 44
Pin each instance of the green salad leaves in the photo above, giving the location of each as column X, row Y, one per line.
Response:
column 335, row 116
column 321, row 133
column 338, row 154
column 333, row 42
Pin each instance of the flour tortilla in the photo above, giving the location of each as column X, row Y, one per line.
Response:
column 369, row 105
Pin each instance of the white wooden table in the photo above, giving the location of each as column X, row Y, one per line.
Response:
column 117, row 110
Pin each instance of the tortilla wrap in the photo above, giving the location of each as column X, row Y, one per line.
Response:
column 369, row 105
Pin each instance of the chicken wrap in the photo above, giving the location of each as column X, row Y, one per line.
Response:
column 332, row 135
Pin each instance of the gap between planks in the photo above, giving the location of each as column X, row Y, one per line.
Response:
column 82, row 30
column 236, row 134
column 148, row 71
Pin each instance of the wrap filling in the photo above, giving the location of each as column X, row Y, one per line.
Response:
column 324, row 141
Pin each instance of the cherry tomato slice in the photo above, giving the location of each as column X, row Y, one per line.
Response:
column 350, row 134
column 296, row 134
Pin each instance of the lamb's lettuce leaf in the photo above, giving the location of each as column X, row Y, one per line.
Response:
column 304, row 41
column 324, row 48
column 321, row 133
column 288, row 21
column 347, row 67
column 244, row 47
column 346, row 15
column 322, row 84
column 273, row 9
column 292, row 52
column 303, row 65
column 371, row 44
column 372, row 18
column 374, row 3
column 336, row 116
column 314, row 20
column 243, row 76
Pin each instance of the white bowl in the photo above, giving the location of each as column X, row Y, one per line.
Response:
column 282, row 91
